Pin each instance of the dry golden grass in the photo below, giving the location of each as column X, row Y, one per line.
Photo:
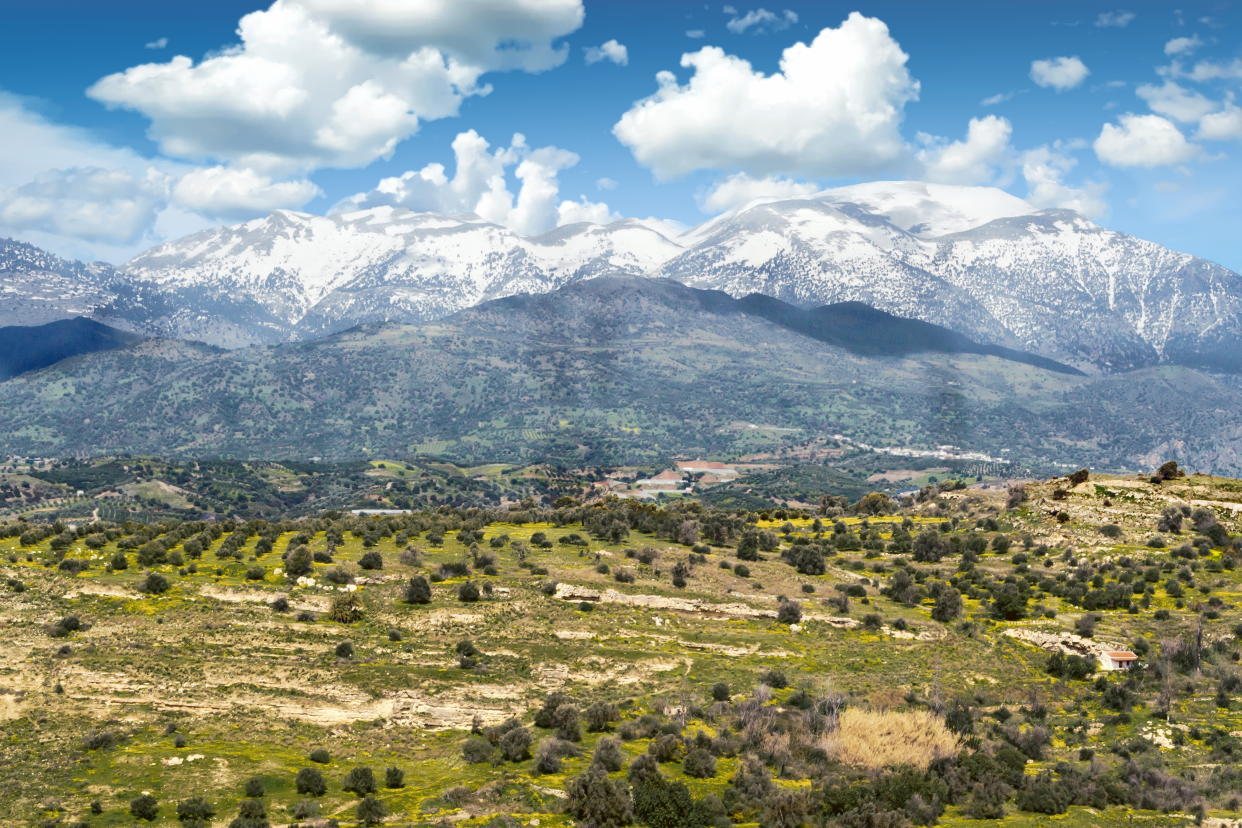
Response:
column 880, row 739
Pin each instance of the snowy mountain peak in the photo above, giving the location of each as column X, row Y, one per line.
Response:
column 930, row 210
column 294, row 274
column 919, row 208
column 974, row 259
column 981, row 262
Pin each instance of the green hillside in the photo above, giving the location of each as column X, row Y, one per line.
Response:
column 604, row 372
column 779, row 668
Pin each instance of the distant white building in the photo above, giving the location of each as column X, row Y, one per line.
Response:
column 1117, row 660
column 706, row 467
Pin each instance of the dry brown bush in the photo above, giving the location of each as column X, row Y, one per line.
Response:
column 879, row 739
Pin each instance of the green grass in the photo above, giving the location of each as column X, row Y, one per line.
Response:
column 253, row 691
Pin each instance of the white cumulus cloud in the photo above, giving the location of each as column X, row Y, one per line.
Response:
column 760, row 20
column 1059, row 73
column 71, row 193
column 1225, row 125
column 490, row 34
column 740, row 188
column 1044, row 170
column 593, row 212
column 335, row 83
column 1115, row 19
column 834, row 108
column 158, row 43
column 104, row 205
column 1143, row 141
column 1182, row 45
column 1175, row 101
column 608, row 50
column 480, row 185
column 1211, row 70
column 971, row 161
column 227, row 192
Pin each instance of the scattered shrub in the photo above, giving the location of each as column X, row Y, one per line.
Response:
column 515, row 744
column 774, row 679
column 417, row 591
column 310, row 781
column 345, row 608
column 195, row 812
column 360, row 780
column 477, row 750
column 596, row 801
column 100, row 739
column 370, row 811
column 145, row 807
column 153, row 584
column 699, row 763
column 608, row 754
column 789, row 612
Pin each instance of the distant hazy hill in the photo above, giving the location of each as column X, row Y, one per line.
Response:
column 27, row 348
column 610, row 371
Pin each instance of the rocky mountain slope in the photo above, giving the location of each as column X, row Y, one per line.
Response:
column 972, row 259
column 1046, row 281
column 293, row 275
column 609, row 371
column 38, row 287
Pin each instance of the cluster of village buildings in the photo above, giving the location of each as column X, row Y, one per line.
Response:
column 686, row 477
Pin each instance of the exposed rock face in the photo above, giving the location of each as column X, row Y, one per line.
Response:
column 37, row 287
column 1047, row 281
column 973, row 259
column 293, row 275
column 1066, row 642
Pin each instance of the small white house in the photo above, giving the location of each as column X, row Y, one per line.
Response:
column 1117, row 660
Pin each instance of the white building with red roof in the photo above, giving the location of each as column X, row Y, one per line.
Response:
column 1117, row 660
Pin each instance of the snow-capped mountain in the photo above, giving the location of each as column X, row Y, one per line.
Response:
column 974, row 259
column 37, row 287
column 982, row 262
column 293, row 275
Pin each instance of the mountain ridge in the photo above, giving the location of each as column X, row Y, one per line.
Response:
column 973, row 259
column 606, row 371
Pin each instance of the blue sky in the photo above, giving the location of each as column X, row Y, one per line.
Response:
column 111, row 142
